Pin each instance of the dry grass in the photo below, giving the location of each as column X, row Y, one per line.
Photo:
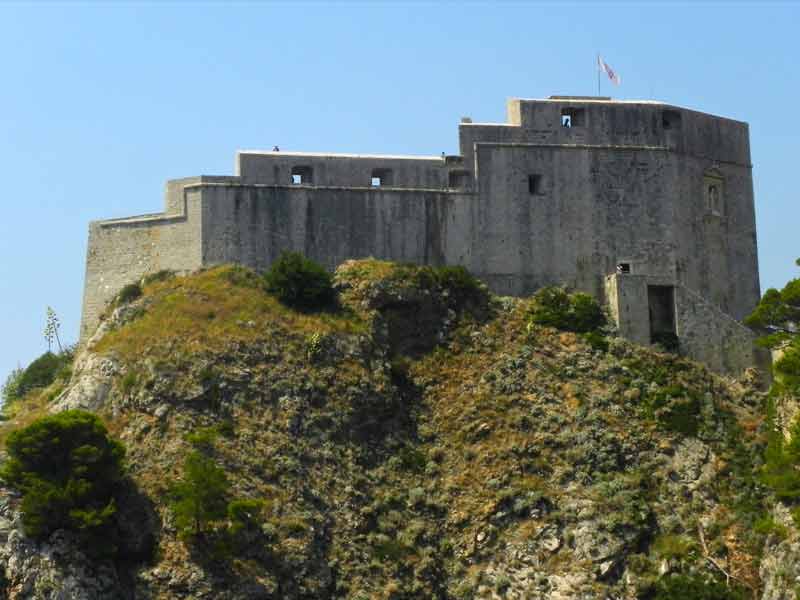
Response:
column 210, row 310
column 26, row 410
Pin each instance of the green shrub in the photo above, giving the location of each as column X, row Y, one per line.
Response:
column 667, row 340
column 578, row 312
column 10, row 390
column 459, row 283
column 596, row 340
column 300, row 283
column 676, row 409
column 129, row 293
column 412, row 459
column 203, row 438
column 68, row 470
column 767, row 525
column 781, row 460
column 129, row 381
column 41, row 372
column 674, row 547
column 163, row 275
column 245, row 515
column 200, row 497
column 694, row 587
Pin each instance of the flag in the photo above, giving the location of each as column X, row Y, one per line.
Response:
column 612, row 75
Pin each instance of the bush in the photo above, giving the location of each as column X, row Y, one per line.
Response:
column 163, row 275
column 68, row 470
column 245, row 516
column 10, row 390
column 129, row 293
column 300, row 283
column 577, row 312
column 199, row 498
column 694, row 587
column 781, row 460
column 41, row 372
column 457, row 280
column 667, row 340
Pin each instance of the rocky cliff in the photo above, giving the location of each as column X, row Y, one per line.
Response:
column 421, row 441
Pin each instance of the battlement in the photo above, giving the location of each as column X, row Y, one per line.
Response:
column 570, row 190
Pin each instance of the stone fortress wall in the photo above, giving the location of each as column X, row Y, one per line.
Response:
column 589, row 192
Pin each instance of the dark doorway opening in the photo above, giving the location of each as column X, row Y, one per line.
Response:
column 661, row 304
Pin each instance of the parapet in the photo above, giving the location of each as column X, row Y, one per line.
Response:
column 341, row 170
column 602, row 121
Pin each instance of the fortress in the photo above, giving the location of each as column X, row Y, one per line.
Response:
column 646, row 206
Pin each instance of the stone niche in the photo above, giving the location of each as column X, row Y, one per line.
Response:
column 714, row 192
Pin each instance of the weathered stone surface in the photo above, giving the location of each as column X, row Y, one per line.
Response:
column 51, row 570
column 664, row 190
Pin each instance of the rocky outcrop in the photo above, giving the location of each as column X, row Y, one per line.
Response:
column 463, row 454
column 55, row 569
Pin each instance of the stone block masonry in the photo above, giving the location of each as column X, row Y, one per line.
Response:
column 571, row 190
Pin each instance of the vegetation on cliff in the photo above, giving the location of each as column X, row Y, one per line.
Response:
column 68, row 470
column 420, row 438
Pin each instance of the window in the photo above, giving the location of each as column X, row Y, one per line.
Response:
column 534, row 184
column 714, row 192
column 381, row 177
column 302, row 175
column 457, row 179
column 671, row 119
column 573, row 117
column 624, row 268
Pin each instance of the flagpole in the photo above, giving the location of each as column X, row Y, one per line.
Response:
column 597, row 68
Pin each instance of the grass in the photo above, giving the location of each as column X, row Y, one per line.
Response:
column 24, row 411
column 210, row 310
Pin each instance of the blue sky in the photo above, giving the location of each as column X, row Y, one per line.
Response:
column 101, row 103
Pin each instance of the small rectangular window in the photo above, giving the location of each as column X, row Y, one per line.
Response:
column 457, row 179
column 624, row 268
column 302, row 175
column 573, row 117
column 381, row 177
column 534, row 184
column 671, row 119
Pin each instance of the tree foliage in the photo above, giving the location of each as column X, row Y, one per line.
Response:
column 40, row 373
column 10, row 389
column 777, row 319
column 200, row 497
column 67, row 468
column 578, row 312
column 300, row 283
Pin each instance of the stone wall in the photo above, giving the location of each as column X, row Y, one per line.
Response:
column 526, row 204
column 712, row 337
column 122, row 251
column 275, row 168
column 252, row 224
column 705, row 333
